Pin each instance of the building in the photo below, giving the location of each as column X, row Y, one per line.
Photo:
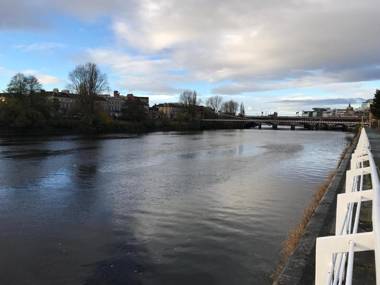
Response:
column 144, row 100
column 3, row 97
column 65, row 100
column 117, row 102
column 347, row 112
column 173, row 110
column 115, row 105
column 366, row 105
column 328, row 112
column 154, row 112
column 112, row 105
column 170, row 110
column 316, row 112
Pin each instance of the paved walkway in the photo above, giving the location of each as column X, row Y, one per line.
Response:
column 300, row 266
column 374, row 139
column 364, row 268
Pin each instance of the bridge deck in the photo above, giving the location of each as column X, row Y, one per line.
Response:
column 292, row 121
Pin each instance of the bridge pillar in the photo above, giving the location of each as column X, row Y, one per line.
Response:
column 274, row 126
column 293, row 127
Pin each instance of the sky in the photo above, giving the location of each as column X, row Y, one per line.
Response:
column 279, row 56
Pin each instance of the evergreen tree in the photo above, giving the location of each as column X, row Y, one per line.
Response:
column 375, row 107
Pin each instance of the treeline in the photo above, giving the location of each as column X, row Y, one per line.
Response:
column 214, row 104
column 26, row 106
column 230, row 107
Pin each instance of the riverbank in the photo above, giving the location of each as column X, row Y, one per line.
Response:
column 298, row 257
column 75, row 127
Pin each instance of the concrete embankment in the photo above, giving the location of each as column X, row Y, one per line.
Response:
column 299, row 268
column 215, row 125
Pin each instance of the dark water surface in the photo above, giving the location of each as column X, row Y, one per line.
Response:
column 162, row 208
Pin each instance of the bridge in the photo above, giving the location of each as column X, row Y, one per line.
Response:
column 305, row 122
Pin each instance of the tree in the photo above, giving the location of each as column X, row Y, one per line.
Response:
column 190, row 102
column 24, row 85
column 30, row 108
column 215, row 103
column 230, row 107
column 33, row 85
column 134, row 110
column 88, row 82
column 375, row 106
column 242, row 110
column 189, row 98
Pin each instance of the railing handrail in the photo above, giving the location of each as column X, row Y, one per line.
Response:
column 335, row 254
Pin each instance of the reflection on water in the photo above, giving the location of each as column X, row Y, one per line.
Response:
column 163, row 208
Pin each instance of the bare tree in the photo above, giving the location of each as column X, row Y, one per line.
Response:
column 215, row 103
column 87, row 81
column 22, row 85
column 230, row 107
column 190, row 101
column 242, row 110
column 189, row 98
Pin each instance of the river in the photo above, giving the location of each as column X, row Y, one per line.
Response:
column 162, row 208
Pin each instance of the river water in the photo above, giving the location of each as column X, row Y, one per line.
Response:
column 163, row 208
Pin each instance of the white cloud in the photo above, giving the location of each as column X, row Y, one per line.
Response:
column 258, row 45
column 141, row 73
column 40, row 47
column 244, row 46
column 44, row 79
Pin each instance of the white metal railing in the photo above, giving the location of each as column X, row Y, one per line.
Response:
column 335, row 254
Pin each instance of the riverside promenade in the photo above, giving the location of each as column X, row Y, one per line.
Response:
column 300, row 266
column 374, row 139
column 361, row 269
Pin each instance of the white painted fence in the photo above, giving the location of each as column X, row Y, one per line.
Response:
column 335, row 254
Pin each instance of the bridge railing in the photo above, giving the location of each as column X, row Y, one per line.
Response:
column 335, row 254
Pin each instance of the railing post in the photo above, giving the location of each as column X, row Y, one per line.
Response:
column 376, row 215
column 332, row 252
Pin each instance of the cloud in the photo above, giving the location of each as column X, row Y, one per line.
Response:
column 257, row 45
column 44, row 79
column 242, row 46
column 48, row 79
column 38, row 14
column 251, row 40
column 153, row 75
column 40, row 47
column 20, row 14
column 316, row 102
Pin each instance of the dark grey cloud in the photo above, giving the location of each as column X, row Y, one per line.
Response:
column 21, row 15
column 38, row 14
